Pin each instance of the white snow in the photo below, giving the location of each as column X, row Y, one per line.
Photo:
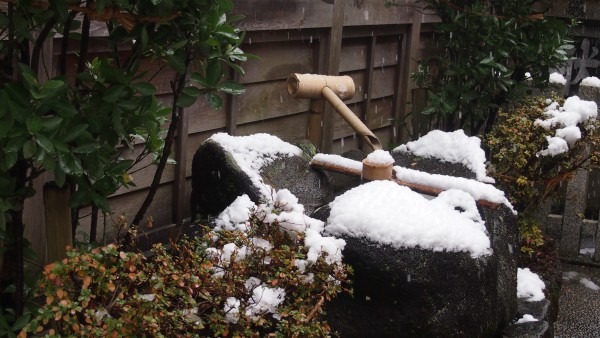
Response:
column 529, row 285
column 587, row 251
column 380, row 157
column 236, row 215
column 232, row 310
column 589, row 284
column 558, row 79
column 478, row 190
column 253, row 152
column 526, row 318
column 527, row 76
column 453, row 147
column 339, row 161
column 568, row 119
column 388, row 213
column 591, row 81
column 556, row 146
column 264, row 300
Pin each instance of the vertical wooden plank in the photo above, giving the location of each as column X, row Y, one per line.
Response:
column 399, row 103
column 368, row 82
column 58, row 220
column 409, row 65
column 181, row 144
column 573, row 217
column 231, row 124
column 33, row 215
column 333, row 68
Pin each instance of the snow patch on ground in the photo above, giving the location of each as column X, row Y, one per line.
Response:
column 589, row 284
column 388, row 213
column 526, row 318
column 453, row 147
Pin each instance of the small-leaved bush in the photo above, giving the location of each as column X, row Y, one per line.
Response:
column 516, row 145
column 220, row 283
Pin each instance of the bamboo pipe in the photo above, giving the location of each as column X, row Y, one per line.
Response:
column 334, row 89
column 420, row 188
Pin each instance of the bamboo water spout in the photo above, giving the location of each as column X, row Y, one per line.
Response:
column 334, row 89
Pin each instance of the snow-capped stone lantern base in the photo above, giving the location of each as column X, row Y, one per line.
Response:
column 423, row 265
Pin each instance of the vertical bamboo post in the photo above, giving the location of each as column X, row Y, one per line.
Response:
column 58, row 220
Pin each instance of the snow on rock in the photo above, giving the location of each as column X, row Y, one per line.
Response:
column 253, row 152
column 591, row 81
column 526, row 318
column 380, row 157
column 558, row 79
column 338, row 161
column 454, row 147
column 574, row 114
column 388, row 213
column 264, row 300
column 529, row 285
column 478, row 190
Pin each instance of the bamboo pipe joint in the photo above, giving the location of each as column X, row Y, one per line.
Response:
column 310, row 86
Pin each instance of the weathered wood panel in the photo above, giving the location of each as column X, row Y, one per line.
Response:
column 278, row 60
column 128, row 204
column 348, row 143
column 376, row 12
column 354, row 53
column 283, row 14
column 379, row 115
column 289, row 128
column 267, row 100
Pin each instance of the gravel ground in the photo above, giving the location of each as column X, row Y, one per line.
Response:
column 579, row 305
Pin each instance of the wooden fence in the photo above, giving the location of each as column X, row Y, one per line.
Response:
column 376, row 45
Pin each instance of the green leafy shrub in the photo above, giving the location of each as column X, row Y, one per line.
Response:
column 253, row 279
column 520, row 163
column 482, row 51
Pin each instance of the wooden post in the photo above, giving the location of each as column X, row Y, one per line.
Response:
column 332, row 65
column 58, row 220
column 409, row 65
column 231, row 124
column 368, row 83
column 181, row 145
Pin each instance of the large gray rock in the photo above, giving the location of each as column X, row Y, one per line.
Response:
column 217, row 180
column 412, row 292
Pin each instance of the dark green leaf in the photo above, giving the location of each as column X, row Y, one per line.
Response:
column 44, row 142
column 51, row 123
column 214, row 100
column 144, row 88
column 185, row 100
column 192, row 91
column 113, row 93
column 29, row 149
column 10, row 159
column 34, row 124
column 231, row 88
column 74, row 132
column 214, row 71
column 176, row 63
column 87, row 148
column 59, row 177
